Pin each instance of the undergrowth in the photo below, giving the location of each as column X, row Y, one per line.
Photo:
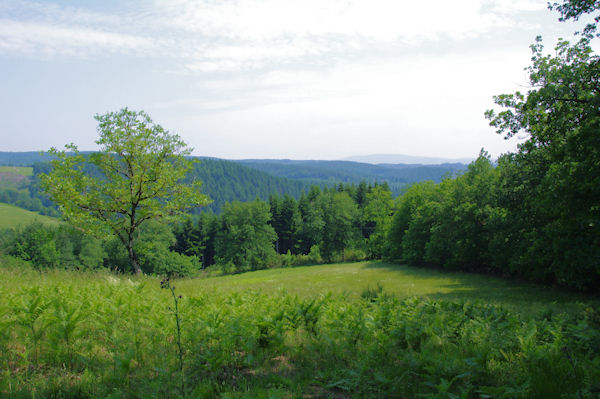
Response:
column 100, row 335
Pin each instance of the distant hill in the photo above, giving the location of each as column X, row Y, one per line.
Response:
column 23, row 158
column 404, row 159
column 223, row 181
column 226, row 181
column 398, row 176
column 245, row 180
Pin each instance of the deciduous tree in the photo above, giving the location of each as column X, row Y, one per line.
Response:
column 136, row 176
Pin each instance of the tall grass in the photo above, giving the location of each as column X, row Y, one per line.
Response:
column 67, row 334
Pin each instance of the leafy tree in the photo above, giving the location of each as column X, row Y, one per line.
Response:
column 416, row 198
column 556, row 172
column 573, row 9
column 135, row 177
column 339, row 215
column 153, row 246
column 36, row 243
column 245, row 238
column 378, row 212
column 462, row 230
column 310, row 231
column 285, row 220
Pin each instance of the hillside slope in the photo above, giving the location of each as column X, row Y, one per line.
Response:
column 226, row 181
column 13, row 216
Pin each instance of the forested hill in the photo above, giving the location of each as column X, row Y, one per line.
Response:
column 245, row 180
column 226, row 181
column 330, row 172
column 223, row 181
column 23, row 158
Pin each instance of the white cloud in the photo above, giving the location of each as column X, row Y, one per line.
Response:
column 207, row 36
column 375, row 19
column 511, row 6
column 36, row 38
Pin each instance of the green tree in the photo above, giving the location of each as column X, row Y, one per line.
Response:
column 378, row 212
column 36, row 243
column 339, row 214
column 285, row 220
column 245, row 238
column 310, row 229
column 573, row 9
column 556, row 172
column 136, row 176
column 411, row 206
column 465, row 220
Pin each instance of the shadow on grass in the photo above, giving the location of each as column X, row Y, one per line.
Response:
column 528, row 298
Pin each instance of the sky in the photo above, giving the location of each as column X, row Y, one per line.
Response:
column 296, row 79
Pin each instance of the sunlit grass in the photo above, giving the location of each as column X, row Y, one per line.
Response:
column 13, row 216
column 400, row 280
column 292, row 333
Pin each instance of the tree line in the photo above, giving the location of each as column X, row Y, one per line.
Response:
column 323, row 225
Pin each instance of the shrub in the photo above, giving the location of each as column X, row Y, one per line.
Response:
column 36, row 243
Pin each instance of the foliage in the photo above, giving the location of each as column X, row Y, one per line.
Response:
column 286, row 222
column 80, row 335
column 535, row 215
column 134, row 178
column 245, row 238
column 339, row 215
column 37, row 244
column 555, row 176
column 409, row 205
column 377, row 215
column 227, row 181
column 66, row 247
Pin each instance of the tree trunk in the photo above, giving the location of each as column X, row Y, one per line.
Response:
column 133, row 258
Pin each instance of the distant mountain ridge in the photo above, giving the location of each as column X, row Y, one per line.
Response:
column 244, row 180
column 378, row 159
column 398, row 176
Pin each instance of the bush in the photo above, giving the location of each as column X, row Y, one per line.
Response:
column 36, row 243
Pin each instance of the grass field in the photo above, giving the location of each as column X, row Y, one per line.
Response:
column 402, row 281
column 305, row 332
column 13, row 216
column 20, row 170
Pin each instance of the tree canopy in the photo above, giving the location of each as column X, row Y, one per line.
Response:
column 136, row 176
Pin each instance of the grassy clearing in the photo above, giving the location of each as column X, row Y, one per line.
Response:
column 292, row 333
column 13, row 216
column 402, row 281
column 26, row 171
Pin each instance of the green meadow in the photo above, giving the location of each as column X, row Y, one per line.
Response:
column 13, row 216
column 26, row 171
column 356, row 330
column 352, row 279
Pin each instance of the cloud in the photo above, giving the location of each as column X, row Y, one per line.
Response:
column 231, row 35
column 40, row 38
column 374, row 19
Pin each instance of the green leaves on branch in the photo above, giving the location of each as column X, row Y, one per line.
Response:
column 136, row 176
